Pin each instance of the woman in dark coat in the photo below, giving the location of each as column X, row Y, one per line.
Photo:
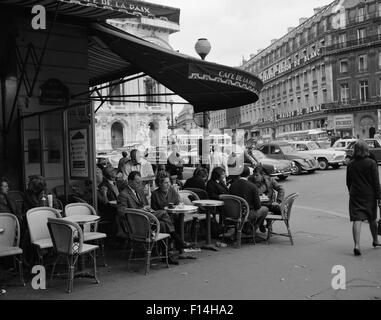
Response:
column 217, row 184
column 364, row 193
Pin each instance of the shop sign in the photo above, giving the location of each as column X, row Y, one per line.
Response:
column 79, row 156
column 343, row 121
column 54, row 92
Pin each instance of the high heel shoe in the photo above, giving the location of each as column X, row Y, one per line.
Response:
column 374, row 244
column 356, row 252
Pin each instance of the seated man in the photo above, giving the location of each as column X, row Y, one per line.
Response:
column 248, row 191
column 133, row 196
column 266, row 186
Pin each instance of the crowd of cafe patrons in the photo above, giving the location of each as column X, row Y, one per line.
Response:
column 135, row 184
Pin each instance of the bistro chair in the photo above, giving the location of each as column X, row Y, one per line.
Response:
column 90, row 231
column 186, row 197
column 10, row 241
column 202, row 194
column 37, row 224
column 144, row 228
column 235, row 213
column 285, row 208
column 67, row 240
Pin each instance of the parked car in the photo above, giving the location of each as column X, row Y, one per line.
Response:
column 342, row 144
column 325, row 157
column 324, row 144
column 272, row 167
column 374, row 149
column 283, row 150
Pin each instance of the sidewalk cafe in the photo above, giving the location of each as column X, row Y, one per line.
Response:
column 49, row 80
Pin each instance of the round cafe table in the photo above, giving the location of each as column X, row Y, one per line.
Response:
column 181, row 211
column 207, row 204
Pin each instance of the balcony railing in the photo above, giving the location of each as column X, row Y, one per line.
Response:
column 350, row 103
column 352, row 43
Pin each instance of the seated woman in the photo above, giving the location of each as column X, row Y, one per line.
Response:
column 36, row 194
column 266, row 186
column 162, row 197
column 217, row 184
column 6, row 204
column 200, row 176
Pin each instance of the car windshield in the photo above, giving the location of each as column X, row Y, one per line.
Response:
column 287, row 148
column 258, row 154
column 313, row 146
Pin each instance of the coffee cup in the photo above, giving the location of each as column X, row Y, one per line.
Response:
column 171, row 205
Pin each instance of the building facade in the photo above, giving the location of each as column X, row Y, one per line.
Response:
column 304, row 85
column 218, row 119
column 142, row 120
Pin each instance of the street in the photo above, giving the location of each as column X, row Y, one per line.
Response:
column 323, row 239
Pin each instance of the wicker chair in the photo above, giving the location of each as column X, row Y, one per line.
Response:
column 186, row 197
column 67, row 240
column 90, row 231
column 285, row 208
column 144, row 227
column 10, row 240
column 202, row 194
column 235, row 213
column 37, row 224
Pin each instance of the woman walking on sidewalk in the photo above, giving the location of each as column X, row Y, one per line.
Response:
column 364, row 193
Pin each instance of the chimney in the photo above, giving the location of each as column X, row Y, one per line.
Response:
column 289, row 29
column 302, row 20
column 316, row 10
column 274, row 40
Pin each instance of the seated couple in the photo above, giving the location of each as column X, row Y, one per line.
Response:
column 133, row 197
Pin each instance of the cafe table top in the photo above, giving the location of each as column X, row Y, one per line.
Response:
column 82, row 219
column 182, row 209
column 208, row 203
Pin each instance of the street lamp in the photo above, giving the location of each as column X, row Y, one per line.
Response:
column 274, row 123
column 171, row 124
column 202, row 47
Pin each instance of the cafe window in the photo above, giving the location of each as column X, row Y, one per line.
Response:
column 364, row 93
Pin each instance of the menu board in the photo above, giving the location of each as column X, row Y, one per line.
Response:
column 79, row 156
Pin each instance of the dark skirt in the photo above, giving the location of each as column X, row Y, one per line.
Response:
column 361, row 209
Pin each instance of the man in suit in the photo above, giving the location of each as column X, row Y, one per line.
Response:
column 132, row 196
column 248, row 191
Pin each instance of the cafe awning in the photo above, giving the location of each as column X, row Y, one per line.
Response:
column 102, row 9
column 205, row 85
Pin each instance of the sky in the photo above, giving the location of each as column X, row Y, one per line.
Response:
column 235, row 28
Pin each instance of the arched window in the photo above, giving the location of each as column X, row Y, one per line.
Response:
column 117, row 135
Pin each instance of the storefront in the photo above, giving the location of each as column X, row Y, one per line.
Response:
column 47, row 114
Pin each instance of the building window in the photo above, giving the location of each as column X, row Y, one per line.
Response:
column 315, row 98
column 361, row 15
column 342, row 40
column 361, row 35
column 324, row 96
column 344, row 93
column 379, row 32
column 379, row 82
column 379, row 60
column 343, row 66
column 364, row 94
column 379, row 9
column 363, row 63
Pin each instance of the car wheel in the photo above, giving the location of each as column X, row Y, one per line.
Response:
column 298, row 168
column 323, row 164
column 336, row 166
column 282, row 178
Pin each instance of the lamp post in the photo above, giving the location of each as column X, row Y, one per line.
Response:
column 274, row 124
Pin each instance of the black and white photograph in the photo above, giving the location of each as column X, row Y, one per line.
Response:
column 190, row 155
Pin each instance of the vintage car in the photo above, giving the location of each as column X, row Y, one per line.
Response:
column 325, row 157
column 342, row 144
column 374, row 149
column 272, row 167
column 282, row 150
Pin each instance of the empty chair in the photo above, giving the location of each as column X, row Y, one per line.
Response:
column 186, row 197
column 67, row 240
column 10, row 240
column 90, row 231
column 285, row 208
column 235, row 213
column 37, row 224
column 144, row 228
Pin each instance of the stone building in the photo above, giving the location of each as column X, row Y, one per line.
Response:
column 325, row 73
column 142, row 120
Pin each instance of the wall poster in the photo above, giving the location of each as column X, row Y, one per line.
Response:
column 79, row 154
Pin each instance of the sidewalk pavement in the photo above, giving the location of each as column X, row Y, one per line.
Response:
column 261, row 271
